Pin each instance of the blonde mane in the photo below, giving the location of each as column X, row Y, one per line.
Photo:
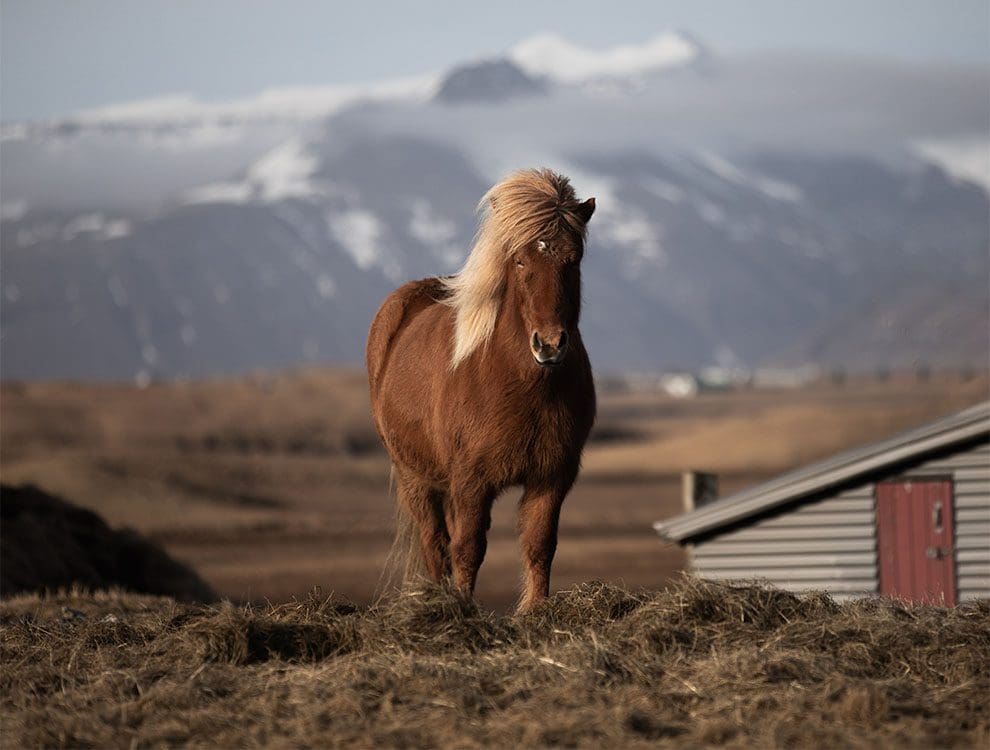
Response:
column 527, row 205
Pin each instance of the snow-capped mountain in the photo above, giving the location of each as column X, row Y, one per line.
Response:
column 753, row 210
column 552, row 56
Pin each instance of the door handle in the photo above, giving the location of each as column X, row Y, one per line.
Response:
column 937, row 516
column 938, row 553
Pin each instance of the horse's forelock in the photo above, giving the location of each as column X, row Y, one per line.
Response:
column 529, row 204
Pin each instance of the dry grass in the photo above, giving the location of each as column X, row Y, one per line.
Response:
column 698, row 664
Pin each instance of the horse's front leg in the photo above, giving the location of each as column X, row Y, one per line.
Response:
column 472, row 518
column 539, row 515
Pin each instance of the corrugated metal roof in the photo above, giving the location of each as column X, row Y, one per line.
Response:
column 829, row 473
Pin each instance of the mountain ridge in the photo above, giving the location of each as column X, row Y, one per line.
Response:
column 158, row 253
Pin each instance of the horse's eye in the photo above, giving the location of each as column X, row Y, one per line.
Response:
column 519, row 264
column 541, row 245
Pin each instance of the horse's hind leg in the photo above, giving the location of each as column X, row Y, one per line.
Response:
column 539, row 515
column 425, row 505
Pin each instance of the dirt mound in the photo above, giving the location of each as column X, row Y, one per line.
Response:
column 47, row 544
column 699, row 664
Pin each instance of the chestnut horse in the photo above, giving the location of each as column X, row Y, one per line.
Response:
column 480, row 381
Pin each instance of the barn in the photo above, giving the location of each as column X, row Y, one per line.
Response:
column 906, row 517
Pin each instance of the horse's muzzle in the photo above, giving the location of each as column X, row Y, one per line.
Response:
column 547, row 354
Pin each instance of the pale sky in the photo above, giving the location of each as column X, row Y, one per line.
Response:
column 59, row 56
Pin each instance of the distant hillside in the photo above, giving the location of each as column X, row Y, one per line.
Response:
column 948, row 325
column 745, row 216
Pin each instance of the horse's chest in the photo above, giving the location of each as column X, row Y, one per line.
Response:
column 530, row 440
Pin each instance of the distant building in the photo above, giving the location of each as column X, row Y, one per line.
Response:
column 679, row 385
column 722, row 378
column 906, row 517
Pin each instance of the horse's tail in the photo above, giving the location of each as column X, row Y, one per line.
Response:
column 404, row 562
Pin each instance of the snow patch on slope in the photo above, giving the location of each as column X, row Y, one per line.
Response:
column 96, row 225
column 966, row 158
column 284, row 172
column 637, row 232
column 775, row 189
column 554, row 56
column 435, row 233
column 360, row 233
column 620, row 224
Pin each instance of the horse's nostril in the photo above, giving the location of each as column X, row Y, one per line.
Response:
column 536, row 341
column 562, row 341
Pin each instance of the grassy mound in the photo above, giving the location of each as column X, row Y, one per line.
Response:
column 697, row 664
column 47, row 543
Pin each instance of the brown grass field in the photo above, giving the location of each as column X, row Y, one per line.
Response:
column 274, row 488
column 697, row 665
column 269, row 486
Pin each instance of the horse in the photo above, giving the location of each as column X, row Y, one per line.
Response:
column 480, row 381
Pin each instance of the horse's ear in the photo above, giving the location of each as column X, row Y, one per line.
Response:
column 586, row 209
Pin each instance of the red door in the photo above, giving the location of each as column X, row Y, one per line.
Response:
column 914, row 537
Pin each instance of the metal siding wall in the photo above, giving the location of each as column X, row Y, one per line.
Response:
column 970, row 471
column 831, row 544
column 828, row 545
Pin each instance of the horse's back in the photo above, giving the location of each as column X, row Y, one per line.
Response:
column 396, row 311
